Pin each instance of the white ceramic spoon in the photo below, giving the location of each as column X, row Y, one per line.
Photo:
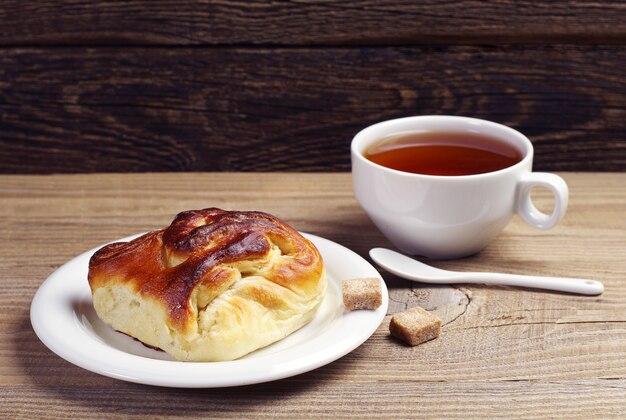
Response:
column 414, row 270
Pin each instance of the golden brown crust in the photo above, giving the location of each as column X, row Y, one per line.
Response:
column 199, row 251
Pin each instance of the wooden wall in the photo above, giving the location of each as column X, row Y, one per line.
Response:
column 95, row 86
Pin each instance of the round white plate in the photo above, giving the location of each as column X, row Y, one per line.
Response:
column 63, row 318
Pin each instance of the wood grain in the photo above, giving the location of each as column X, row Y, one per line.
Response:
column 503, row 352
column 323, row 397
column 242, row 109
column 306, row 22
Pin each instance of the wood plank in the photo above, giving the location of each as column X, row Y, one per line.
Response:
column 325, row 397
column 309, row 22
column 503, row 353
column 81, row 212
column 158, row 109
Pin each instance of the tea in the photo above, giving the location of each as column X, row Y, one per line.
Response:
column 441, row 153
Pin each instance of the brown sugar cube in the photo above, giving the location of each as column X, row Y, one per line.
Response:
column 362, row 294
column 415, row 326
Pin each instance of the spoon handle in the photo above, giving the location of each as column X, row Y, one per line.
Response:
column 562, row 284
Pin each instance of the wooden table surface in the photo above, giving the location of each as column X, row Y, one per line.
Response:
column 503, row 352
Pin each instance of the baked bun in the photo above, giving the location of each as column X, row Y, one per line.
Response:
column 213, row 286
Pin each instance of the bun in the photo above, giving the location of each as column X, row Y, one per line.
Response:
column 213, row 286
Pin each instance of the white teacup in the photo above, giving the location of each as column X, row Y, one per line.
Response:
column 450, row 216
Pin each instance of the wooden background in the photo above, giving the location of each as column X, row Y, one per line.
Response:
column 95, row 86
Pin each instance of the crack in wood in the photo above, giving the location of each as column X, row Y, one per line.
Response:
column 513, row 324
column 467, row 301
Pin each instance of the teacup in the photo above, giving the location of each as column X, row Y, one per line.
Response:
column 450, row 216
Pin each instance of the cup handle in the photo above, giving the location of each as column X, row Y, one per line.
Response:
column 527, row 210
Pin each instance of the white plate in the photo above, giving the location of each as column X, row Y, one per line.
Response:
column 63, row 318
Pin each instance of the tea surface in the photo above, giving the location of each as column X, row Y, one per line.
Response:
column 440, row 153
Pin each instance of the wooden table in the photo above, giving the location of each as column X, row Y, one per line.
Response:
column 503, row 352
